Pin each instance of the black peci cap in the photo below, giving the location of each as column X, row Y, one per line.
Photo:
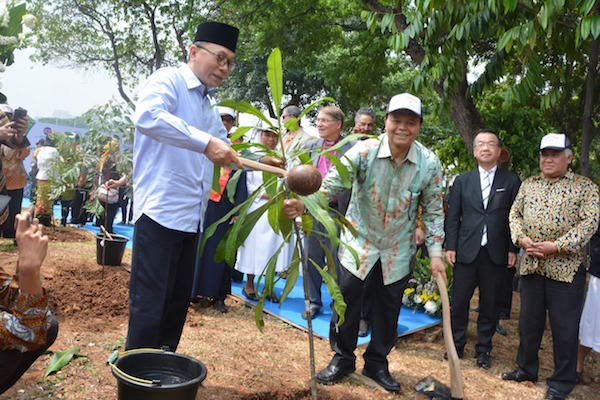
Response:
column 218, row 33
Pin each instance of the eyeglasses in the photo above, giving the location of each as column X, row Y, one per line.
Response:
column 221, row 59
column 491, row 145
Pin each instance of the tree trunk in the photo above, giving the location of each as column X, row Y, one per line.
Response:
column 587, row 125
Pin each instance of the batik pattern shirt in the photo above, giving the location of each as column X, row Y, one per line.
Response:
column 565, row 212
column 23, row 317
column 384, row 204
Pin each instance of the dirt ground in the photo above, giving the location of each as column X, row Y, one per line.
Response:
column 91, row 304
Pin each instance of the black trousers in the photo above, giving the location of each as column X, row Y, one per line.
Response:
column 489, row 277
column 386, row 302
column 162, row 272
column 14, row 207
column 13, row 363
column 564, row 302
column 110, row 212
column 505, row 305
column 78, row 213
column 317, row 238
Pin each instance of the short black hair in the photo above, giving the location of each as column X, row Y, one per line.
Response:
column 486, row 130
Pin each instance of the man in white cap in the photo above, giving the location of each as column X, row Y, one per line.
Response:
column 391, row 176
column 178, row 137
column 552, row 218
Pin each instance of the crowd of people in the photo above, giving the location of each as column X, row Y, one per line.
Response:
column 493, row 223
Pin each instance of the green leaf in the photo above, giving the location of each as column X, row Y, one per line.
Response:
column 234, row 177
column 341, row 168
column 321, row 215
column 216, row 176
column 60, row 359
column 595, row 26
column 275, row 78
column 240, row 132
column 586, row 27
column 293, row 271
column 334, row 291
column 245, row 107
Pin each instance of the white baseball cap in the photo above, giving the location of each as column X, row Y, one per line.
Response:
column 226, row 111
column 555, row 141
column 6, row 108
column 405, row 101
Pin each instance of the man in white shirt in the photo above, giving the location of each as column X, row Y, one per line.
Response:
column 179, row 136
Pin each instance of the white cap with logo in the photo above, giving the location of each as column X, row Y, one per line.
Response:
column 555, row 141
column 405, row 101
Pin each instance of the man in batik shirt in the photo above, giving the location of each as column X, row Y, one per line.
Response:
column 391, row 176
column 552, row 218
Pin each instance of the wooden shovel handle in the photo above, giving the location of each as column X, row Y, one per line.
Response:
column 263, row 167
column 108, row 235
column 456, row 381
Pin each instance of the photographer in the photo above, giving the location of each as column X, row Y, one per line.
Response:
column 16, row 178
column 27, row 328
column 12, row 135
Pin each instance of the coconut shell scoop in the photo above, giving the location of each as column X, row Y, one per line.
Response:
column 302, row 179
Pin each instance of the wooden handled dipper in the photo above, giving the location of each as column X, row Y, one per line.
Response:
column 302, row 179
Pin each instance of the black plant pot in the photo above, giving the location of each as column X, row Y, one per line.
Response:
column 110, row 252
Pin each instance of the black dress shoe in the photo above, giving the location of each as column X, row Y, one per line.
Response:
column 383, row 379
column 273, row 298
column 483, row 360
column 500, row 329
column 220, row 306
column 363, row 328
column 553, row 394
column 312, row 311
column 249, row 296
column 460, row 354
column 518, row 376
column 332, row 374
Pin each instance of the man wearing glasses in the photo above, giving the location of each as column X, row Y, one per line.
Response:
column 329, row 126
column 179, row 136
column 478, row 243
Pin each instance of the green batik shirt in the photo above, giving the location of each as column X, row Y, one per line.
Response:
column 564, row 212
column 384, row 204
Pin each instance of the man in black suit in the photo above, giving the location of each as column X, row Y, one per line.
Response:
column 478, row 243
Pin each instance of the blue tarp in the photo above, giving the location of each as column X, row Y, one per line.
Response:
column 410, row 321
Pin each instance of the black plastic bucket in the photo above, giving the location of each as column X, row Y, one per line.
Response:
column 157, row 375
column 110, row 252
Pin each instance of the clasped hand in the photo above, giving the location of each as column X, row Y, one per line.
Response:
column 538, row 249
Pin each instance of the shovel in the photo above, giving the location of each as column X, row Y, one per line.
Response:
column 430, row 386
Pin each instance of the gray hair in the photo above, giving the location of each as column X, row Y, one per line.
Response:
column 365, row 111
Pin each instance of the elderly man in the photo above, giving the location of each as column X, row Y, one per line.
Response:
column 553, row 217
column 295, row 140
column 178, row 137
column 329, row 125
column 391, row 177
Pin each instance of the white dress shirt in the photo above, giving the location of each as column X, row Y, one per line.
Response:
column 174, row 119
